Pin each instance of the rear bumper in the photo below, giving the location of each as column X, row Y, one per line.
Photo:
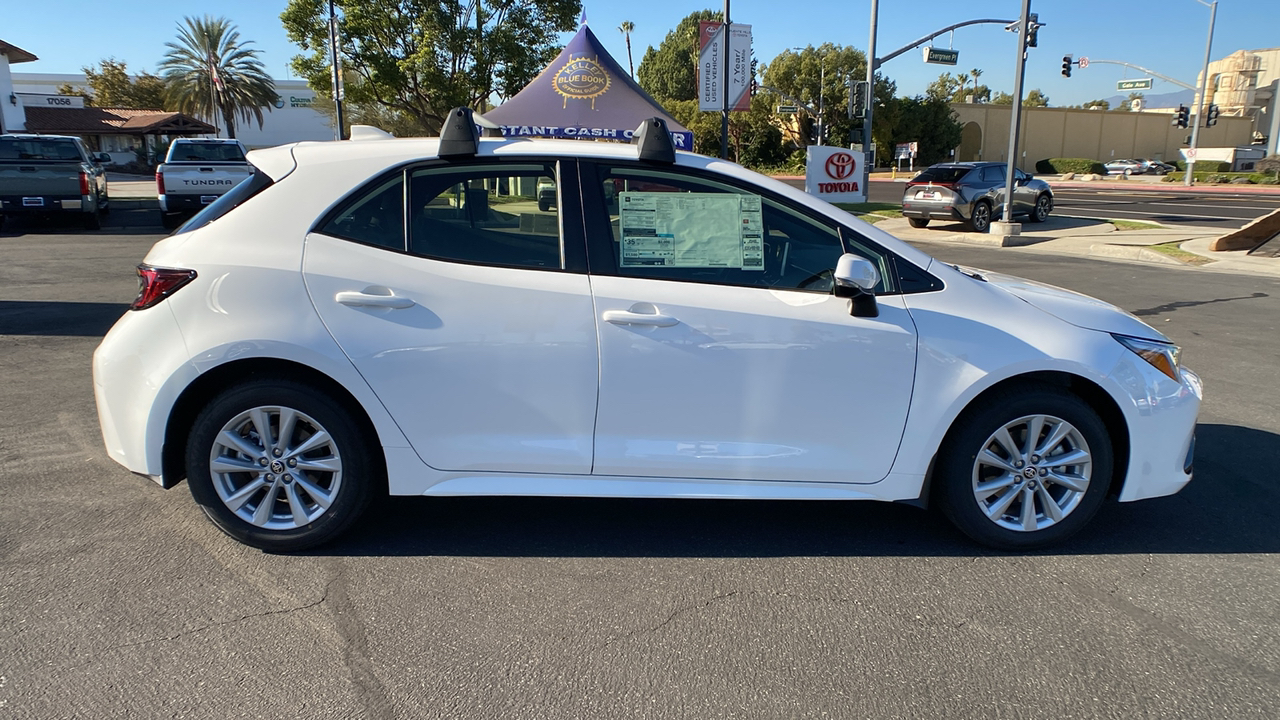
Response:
column 35, row 204
column 186, row 203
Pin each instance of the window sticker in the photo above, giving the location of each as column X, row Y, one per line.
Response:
column 692, row 230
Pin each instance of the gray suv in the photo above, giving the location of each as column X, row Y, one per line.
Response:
column 972, row 193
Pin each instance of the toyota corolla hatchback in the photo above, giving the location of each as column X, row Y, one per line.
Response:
column 401, row 316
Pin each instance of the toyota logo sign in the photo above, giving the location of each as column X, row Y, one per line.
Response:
column 840, row 166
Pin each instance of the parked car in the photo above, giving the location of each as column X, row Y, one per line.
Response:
column 50, row 175
column 358, row 318
column 1126, row 167
column 196, row 172
column 972, row 193
column 546, row 194
column 1156, row 167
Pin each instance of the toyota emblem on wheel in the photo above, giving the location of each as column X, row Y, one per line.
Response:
column 840, row 166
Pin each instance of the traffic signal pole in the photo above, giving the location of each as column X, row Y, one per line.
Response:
column 1020, row 72
column 867, row 147
column 1202, row 103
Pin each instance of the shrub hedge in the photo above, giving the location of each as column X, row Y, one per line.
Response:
column 1212, row 166
column 1222, row 177
column 1079, row 166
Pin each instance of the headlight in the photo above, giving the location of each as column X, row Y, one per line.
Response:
column 1162, row 356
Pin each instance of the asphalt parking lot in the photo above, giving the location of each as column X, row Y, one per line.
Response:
column 119, row 599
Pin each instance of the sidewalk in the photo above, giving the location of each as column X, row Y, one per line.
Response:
column 1090, row 237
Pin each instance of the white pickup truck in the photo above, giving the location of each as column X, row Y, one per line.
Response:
column 196, row 172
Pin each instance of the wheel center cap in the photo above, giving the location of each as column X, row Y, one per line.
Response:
column 278, row 467
column 1028, row 473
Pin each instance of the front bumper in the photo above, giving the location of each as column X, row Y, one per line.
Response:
column 1161, row 415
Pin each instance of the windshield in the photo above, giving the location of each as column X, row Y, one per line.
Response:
column 942, row 174
column 55, row 149
column 207, row 152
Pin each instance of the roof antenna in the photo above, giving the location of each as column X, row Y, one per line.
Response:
column 655, row 141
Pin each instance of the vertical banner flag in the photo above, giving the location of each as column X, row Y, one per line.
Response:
column 834, row 174
column 711, row 67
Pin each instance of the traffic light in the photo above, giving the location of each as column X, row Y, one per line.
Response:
column 1066, row 66
column 1183, row 117
column 1211, row 116
column 860, row 99
column 1033, row 27
column 755, row 87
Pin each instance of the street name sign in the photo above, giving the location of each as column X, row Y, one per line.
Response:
column 938, row 56
column 1139, row 84
column 788, row 109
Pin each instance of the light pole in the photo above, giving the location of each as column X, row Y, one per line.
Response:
column 1024, row 28
column 868, row 154
column 1189, row 175
column 822, row 80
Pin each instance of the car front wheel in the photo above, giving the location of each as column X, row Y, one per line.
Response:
column 279, row 466
column 1040, row 212
column 1027, row 468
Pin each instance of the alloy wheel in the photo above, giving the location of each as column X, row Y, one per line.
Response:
column 275, row 467
column 1031, row 473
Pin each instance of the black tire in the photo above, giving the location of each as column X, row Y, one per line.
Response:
column 543, row 205
column 171, row 220
column 980, row 218
column 348, row 448
column 957, row 471
column 918, row 222
column 92, row 221
column 1040, row 212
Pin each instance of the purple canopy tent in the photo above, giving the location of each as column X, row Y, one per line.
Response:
column 583, row 93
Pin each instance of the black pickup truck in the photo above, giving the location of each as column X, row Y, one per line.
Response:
column 51, row 174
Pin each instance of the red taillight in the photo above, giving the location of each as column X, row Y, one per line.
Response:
column 84, row 183
column 156, row 284
column 160, row 182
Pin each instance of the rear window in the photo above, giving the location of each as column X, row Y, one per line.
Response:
column 206, row 152
column 941, row 174
column 51, row 149
column 230, row 200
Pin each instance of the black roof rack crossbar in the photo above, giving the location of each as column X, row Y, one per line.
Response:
column 655, row 141
column 460, row 134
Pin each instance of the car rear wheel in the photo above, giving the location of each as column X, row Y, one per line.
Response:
column 1040, row 212
column 279, row 465
column 980, row 218
column 918, row 222
column 92, row 221
column 1024, row 469
column 543, row 205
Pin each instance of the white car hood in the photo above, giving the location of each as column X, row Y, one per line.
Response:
column 1072, row 307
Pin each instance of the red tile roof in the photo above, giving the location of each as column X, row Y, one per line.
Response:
column 112, row 121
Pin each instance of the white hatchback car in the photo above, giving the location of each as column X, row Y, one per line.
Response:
column 384, row 315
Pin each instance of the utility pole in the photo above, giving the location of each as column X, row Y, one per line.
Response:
column 724, row 86
column 822, row 127
column 336, row 66
column 1024, row 29
column 1189, row 175
column 867, row 151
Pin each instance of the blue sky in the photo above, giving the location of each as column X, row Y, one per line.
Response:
column 1165, row 35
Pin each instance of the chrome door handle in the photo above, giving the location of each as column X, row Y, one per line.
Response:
column 360, row 299
column 626, row 317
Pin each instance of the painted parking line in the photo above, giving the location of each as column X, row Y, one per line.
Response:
column 1181, row 205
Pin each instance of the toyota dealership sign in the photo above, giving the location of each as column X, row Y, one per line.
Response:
column 834, row 174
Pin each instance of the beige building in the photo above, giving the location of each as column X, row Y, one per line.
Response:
column 1094, row 134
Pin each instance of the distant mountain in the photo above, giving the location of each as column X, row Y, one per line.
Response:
column 1162, row 100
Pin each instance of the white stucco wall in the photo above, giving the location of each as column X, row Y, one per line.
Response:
column 292, row 122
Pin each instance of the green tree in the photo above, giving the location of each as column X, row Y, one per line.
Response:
column 671, row 71
column 417, row 59
column 626, row 28
column 211, row 61
column 1035, row 98
column 800, row 75
column 111, row 86
column 946, row 87
column 975, row 74
column 928, row 121
column 1002, row 98
column 1127, row 104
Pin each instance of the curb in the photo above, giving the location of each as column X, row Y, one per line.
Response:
column 1132, row 252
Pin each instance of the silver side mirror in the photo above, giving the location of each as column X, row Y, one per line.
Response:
column 855, row 271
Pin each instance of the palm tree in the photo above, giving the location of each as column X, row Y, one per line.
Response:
column 210, row 60
column 963, row 79
column 626, row 28
column 974, row 73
